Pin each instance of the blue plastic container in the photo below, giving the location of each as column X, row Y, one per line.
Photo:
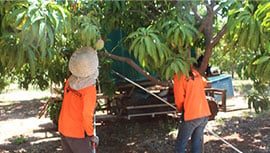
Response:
column 222, row 81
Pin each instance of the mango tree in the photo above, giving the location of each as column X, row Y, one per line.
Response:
column 37, row 37
column 247, row 44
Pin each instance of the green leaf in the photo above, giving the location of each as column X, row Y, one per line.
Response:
column 14, row 14
column 31, row 57
column 182, row 67
column 168, row 73
column 19, row 18
column 170, row 33
column 243, row 17
column 133, row 44
column 261, row 60
column 232, row 24
column 37, row 19
column 51, row 19
column 266, row 72
column 160, row 51
column 183, row 34
column 42, row 36
column 176, row 36
column 155, row 38
column 20, row 59
column 50, row 34
column 64, row 15
column 166, row 24
column 148, row 43
column 262, row 10
column 174, row 67
column 43, row 46
column 57, row 21
column 133, row 34
column 189, row 37
column 137, row 49
column 141, row 53
column 26, row 25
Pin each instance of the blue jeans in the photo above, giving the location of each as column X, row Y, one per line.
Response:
column 193, row 128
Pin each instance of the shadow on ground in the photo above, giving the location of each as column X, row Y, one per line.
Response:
column 248, row 134
column 20, row 109
column 48, row 143
column 140, row 135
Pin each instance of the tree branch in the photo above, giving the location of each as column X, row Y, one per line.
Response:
column 136, row 67
column 197, row 16
column 207, row 19
column 220, row 34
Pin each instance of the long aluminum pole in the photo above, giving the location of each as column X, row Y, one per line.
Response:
column 94, row 125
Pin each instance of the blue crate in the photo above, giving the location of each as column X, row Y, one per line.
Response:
column 222, row 81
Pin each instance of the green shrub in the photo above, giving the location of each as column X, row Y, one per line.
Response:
column 258, row 97
column 54, row 109
column 19, row 140
column 3, row 84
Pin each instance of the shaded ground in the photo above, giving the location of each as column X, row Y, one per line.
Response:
column 22, row 131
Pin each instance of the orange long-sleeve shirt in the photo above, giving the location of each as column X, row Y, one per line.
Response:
column 76, row 116
column 189, row 95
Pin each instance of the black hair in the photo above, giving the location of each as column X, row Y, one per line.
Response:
column 199, row 62
column 191, row 75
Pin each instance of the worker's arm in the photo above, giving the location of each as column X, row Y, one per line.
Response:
column 206, row 84
column 179, row 92
column 89, row 100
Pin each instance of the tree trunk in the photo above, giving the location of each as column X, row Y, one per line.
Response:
column 208, row 35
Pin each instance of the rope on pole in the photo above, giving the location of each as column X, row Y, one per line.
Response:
column 132, row 82
column 94, row 122
column 94, row 125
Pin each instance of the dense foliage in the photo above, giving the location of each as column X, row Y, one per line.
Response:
column 37, row 37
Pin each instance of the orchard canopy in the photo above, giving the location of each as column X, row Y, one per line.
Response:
column 37, row 37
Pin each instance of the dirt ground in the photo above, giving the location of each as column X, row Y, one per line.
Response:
column 22, row 131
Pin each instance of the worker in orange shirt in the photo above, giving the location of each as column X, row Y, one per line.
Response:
column 190, row 99
column 79, row 102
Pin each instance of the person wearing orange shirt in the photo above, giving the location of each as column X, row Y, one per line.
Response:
column 190, row 99
column 76, row 117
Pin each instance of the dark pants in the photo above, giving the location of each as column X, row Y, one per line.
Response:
column 193, row 129
column 76, row 145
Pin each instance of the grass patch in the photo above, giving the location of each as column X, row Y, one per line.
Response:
column 220, row 121
column 263, row 114
column 19, row 140
column 247, row 113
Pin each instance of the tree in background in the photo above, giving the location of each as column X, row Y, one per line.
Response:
column 37, row 37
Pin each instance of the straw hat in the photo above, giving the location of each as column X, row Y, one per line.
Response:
column 83, row 65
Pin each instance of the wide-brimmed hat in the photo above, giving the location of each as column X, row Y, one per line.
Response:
column 83, row 65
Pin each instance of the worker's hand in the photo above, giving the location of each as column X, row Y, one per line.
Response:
column 94, row 139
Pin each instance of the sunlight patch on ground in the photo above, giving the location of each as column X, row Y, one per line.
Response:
column 45, row 140
column 23, row 95
column 131, row 144
column 14, row 93
column 234, row 136
column 13, row 127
